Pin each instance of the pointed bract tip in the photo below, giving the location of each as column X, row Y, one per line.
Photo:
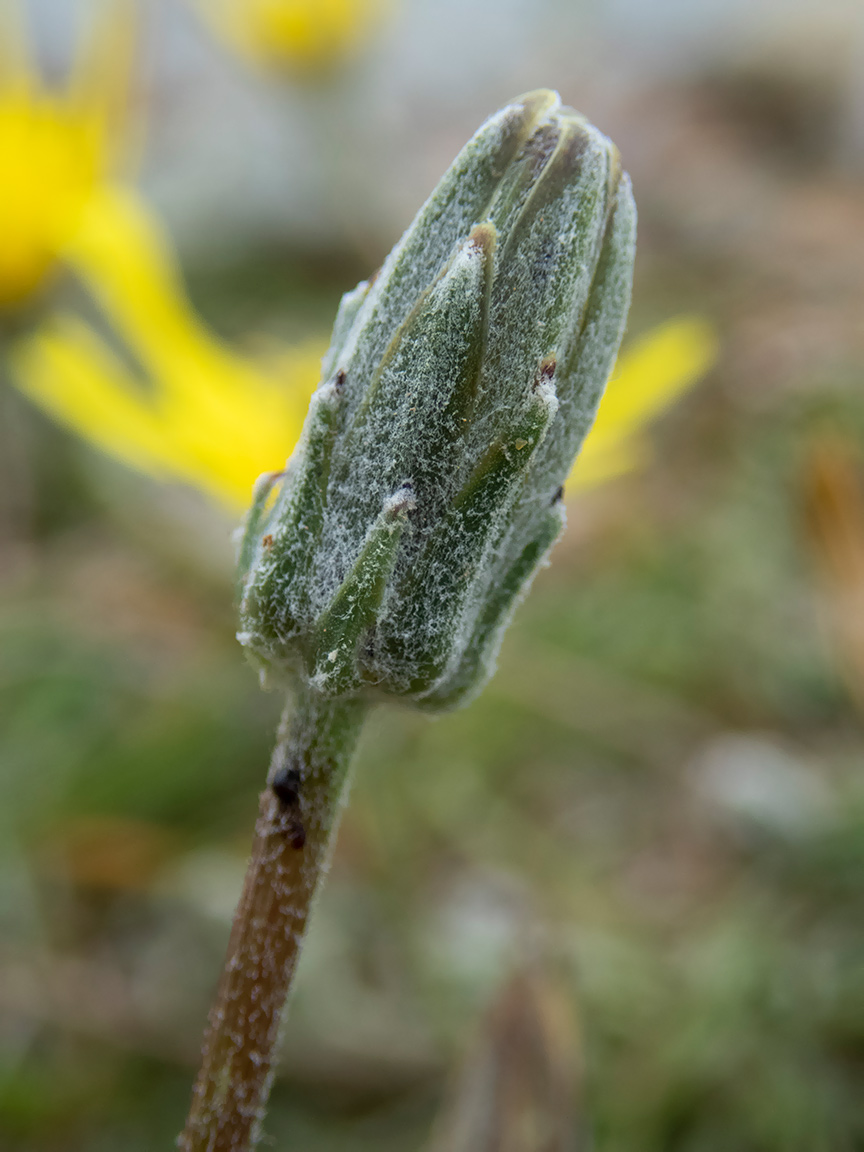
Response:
column 538, row 103
column 401, row 502
column 483, row 236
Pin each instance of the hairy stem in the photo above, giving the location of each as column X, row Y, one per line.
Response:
column 296, row 824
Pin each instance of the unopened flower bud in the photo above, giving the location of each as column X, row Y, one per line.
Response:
column 459, row 385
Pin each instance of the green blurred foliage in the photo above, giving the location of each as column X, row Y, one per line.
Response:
column 662, row 787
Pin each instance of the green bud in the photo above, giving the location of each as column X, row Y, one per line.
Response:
column 458, row 388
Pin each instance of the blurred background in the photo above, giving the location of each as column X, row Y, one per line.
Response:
column 638, row 859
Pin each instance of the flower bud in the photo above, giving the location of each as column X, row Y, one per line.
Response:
column 458, row 388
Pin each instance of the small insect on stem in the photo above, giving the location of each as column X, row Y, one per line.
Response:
column 285, row 786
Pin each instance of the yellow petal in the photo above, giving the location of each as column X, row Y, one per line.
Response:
column 649, row 375
column 123, row 253
column 206, row 415
column 303, row 36
column 55, row 146
column 70, row 373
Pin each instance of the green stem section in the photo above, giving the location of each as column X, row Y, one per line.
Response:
column 290, row 855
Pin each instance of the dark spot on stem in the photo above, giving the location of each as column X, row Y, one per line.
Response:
column 296, row 834
column 286, row 787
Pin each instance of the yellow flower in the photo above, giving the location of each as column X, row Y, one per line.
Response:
column 197, row 411
column 300, row 36
column 55, row 147
column 202, row 414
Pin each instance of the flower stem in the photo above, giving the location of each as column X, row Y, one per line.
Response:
column 290, row 854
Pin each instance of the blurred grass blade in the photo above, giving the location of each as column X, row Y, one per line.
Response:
column 834, row 505
column 519, row 1089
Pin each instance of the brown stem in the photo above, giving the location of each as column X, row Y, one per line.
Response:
column 290, row 854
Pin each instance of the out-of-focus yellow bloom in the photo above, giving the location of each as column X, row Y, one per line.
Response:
column 202, row 414
column 300, row 36
column 649, row 375
column 56, row 147
column 199, row 412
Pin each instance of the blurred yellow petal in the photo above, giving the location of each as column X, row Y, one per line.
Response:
column 50, row 160
column 224, row 412
column 602, row 465
column 204, row 414
column 123, row 253
column 70, row 373
column 650, row 374
column 55, row 149
column 302, row 36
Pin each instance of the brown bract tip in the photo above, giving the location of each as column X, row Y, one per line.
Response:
column 483, row 236
column 546, row 371
column 538, row 103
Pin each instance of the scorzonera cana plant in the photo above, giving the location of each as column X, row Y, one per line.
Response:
column 426, row 490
